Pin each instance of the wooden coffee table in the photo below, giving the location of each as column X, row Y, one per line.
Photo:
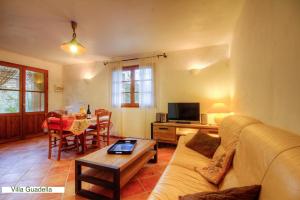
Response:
column 112, row 171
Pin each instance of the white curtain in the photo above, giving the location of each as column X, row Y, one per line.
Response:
column 145, row 78
column 116, row 84
column 115, row 89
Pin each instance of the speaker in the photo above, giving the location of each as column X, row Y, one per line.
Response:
column 161, row 117
column 203, row 119
column 157, row 117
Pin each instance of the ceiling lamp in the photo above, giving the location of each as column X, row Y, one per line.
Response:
column 73, row 46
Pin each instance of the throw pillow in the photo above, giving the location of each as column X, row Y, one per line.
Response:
column 238, row 193
column 217, row 167
column 204, row 144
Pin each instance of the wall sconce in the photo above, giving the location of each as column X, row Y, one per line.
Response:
column 87, row 80
column 58, row 88
column 195, row 71
column 196, row 68
column 88, row 76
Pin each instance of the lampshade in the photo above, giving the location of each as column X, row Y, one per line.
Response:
column 219, row 108
column 73, row 46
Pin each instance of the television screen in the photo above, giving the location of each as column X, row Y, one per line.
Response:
column 184, row 111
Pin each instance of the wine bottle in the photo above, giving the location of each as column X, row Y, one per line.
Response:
column 88, row 113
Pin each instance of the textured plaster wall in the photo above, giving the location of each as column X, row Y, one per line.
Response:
column 265, row 62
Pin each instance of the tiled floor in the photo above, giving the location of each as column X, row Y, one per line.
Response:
column 25, row 163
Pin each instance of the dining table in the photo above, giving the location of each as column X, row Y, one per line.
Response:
column 73, row 125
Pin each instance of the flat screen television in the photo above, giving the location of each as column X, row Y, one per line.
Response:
column 184, row 112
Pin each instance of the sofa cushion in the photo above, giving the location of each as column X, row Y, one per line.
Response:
column 217, row 168
column 186, row 157
column 177, row 180
column 237, row 193
column 230, row 180
column 204, row 143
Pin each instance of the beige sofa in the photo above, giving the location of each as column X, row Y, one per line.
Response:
column 264, row 155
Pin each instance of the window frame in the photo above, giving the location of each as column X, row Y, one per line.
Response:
column 22, row 88
column 132, row 103
column 43, row 91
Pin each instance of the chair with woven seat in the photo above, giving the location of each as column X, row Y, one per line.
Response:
column 101, row 129
column 56, row 133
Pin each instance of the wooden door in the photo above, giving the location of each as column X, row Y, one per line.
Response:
column 10, row 101
column 35, row 99
column 23, row 100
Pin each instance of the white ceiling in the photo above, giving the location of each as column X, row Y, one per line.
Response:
column 112, row 28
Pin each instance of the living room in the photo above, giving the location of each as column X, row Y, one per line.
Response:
column 240, row 54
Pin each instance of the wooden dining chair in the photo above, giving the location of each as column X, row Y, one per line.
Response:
column 56, row 133
column 101, row 131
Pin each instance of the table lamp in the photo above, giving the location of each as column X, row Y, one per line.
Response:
column 219, row 110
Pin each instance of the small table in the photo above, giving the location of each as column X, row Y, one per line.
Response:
column 76, row 126
column 71, row 124
column 112, row 171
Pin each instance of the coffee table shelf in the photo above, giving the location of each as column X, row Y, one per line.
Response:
column 112, row 171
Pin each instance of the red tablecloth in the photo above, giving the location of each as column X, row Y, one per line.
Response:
column 76, row 126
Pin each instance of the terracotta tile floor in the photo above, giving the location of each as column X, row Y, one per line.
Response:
column 25, row 163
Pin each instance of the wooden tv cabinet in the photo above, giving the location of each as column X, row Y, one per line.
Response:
column 169, row 132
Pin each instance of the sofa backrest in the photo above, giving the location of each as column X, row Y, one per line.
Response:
column 267, row 156
column 231, row 128
column 282, row 180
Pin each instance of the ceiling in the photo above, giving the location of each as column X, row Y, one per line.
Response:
column 114, row 28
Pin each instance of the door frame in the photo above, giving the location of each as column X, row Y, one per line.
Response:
column 13, row 65
column 24, row 87
column 24, row 113
column 22, row 93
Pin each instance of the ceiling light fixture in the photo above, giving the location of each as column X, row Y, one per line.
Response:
column 73, row 46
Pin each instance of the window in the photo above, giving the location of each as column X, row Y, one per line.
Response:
column 133, row 86
column 130, row 86
column 16, row 95
column 9, row 89
column 35, row 91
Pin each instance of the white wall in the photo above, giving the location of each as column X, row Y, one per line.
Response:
column 54, row 72
column 265, row 62
column 86, row 84
column 178, row 83
column 175, row 82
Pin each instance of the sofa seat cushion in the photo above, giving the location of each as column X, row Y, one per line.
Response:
column 178, row 181
column 186, row 157
column 229, row 181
